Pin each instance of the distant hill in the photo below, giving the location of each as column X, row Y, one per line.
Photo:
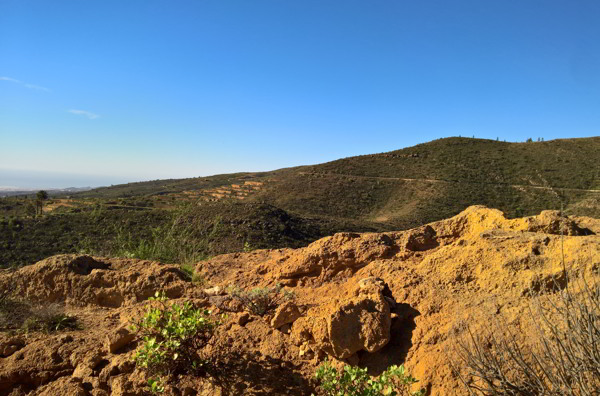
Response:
column 423, row 183
column 291, row 207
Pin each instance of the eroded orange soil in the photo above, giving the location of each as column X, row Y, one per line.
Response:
column 367, row 299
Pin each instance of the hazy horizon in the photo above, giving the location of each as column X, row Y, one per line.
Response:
column 27, row 179
column 40, row 180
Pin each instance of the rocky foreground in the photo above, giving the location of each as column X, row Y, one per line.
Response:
column 367, row 299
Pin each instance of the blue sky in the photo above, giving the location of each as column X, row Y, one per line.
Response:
column 134, row 90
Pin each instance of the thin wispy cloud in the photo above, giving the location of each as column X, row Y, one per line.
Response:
column 84, row 113
column 37, row 87
column 10, row 79
column 26, row 85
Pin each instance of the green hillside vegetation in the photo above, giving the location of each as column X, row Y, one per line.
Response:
column 292, row 207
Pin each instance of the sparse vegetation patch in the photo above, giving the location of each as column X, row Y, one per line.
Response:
column 261, row 300
column 172, row 335
column 18, row 315
column 355, row 381
column 564, row 358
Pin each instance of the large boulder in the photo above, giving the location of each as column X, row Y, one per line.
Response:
column 359, row 322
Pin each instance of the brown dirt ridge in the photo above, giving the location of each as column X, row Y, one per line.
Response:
column 372, row 299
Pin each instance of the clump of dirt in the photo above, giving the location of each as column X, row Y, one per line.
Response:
column 85, row 280
column 364, row 299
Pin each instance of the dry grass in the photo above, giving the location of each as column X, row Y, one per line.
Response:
column 563, row 359
column 23, row 316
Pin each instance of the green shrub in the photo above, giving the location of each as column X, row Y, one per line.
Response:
column 198, row 279
column 188, row 269
column 174, row 241
column 261, row 300
column 155, row 386
column 355, row 381
column 248, row 247
column 172, row 335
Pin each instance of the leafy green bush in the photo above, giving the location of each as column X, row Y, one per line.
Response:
column 248, row 247
column 355, row 381
column 172, row 335
column 261, row 300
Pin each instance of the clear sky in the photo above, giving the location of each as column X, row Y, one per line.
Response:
column 129, row 90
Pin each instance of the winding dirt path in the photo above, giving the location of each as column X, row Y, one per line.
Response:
column 408, row 179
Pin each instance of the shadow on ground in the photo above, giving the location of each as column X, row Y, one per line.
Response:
column 245, row 374
column 400, row 342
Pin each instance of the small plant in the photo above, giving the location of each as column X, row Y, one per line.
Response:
column 261, row 300
column 155, row 385
column 198, row 279
column 192, row 275
column 172, row 335
column 188, row 270
column 355, row 381
column 62, row 322
column 248, row 247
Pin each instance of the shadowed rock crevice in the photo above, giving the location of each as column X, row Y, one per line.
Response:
column 84, row 265
column 421, row 239
column 396, row 351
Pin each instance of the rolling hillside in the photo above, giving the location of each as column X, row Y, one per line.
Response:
column 426, row 182
column 291, row 207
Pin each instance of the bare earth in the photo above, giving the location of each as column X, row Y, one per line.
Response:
column 367, row 299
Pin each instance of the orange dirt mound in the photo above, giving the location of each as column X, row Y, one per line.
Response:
column 367, row 299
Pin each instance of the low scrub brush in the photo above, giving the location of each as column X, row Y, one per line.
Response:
column 564, row 358
column 172, row 335
column 355, row 381
column 261, row 300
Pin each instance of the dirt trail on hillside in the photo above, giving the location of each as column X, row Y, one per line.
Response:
column 408, row 179
column 371, row 299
